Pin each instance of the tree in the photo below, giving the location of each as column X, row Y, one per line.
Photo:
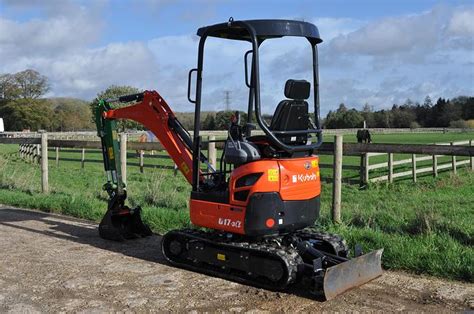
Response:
column 428, row 103
column 115, row 91
column 209, row 122
column 459, row 124
column 344, row 118
column 222, row 120
column 33, row 114
column 402, row 117
column 8, row 89
column 368, row 115
column 28, row 84
column 382, row 119
column 31, row 84
column 71, row 116
column 466, row 105
column 342, row 108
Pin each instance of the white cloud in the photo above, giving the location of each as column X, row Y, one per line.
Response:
column 330, row 27
column 92, row 70
column 380, row 62
column 462, row 23
column 46, row 37
column 391, row 35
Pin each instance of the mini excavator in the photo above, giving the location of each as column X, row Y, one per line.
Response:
column 257, row 212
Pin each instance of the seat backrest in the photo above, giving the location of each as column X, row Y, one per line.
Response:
column 292, row 114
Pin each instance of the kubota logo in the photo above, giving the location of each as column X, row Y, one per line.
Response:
column 304, row 177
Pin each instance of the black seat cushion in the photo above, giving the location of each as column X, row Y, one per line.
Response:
column 297, row 89
column 292, row 114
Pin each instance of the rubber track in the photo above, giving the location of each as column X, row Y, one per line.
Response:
column 336, row 241
column 271, row 246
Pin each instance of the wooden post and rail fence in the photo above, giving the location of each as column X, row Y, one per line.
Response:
column 36, row 150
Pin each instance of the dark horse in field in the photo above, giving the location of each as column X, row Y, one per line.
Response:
column 363, row 136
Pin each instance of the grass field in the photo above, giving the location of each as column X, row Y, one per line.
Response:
column 425, row 227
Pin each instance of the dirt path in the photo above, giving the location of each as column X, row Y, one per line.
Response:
column 51, row 263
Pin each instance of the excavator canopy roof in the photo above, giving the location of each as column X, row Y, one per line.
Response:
column 264, row 29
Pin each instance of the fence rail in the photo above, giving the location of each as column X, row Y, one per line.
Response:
column 36, row 150
column 92, row 135
column 434, row 168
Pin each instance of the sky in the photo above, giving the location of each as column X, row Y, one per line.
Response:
column 373, row 52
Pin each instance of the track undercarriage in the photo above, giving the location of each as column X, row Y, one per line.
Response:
column 317, row 260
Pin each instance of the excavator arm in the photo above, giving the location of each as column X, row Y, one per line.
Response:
column 152, row 111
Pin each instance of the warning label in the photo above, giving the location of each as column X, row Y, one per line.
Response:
column 273, row 175
column 184, row 168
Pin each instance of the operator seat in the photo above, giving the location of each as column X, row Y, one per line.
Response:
column 292, row 114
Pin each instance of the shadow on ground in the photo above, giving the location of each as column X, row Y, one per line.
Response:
column 85, row 232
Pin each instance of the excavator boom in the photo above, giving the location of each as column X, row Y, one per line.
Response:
column 150, row 109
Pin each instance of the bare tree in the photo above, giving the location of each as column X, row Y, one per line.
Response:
column 8, row 87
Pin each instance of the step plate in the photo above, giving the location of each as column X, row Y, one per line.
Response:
column 352, row 273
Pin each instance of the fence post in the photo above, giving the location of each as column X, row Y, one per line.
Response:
column 38, row 153
column 364, row 169
column 211, row 150
column 435, row 166
column 453, row 158
column 175, row 170
column 123, row 156
column 337, row 180
column 413, row 167
column 390, row 167
column 83, row 157
column 31, row 154
column 472, row 157
column 44, row 163
column 141, row 153
column 57, row 156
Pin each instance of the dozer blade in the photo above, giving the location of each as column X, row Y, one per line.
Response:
column 352, row 273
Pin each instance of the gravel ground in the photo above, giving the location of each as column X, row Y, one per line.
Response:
column 51, row 263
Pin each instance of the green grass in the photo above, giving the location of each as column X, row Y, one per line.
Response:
column 424, row 228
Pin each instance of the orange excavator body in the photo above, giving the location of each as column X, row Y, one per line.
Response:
column 293, row 179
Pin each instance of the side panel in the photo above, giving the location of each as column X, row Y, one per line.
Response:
column 299, row 178
column 217, row 216
column 269, row 180
column 267, row 213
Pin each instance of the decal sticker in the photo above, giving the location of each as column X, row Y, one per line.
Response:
column 273, row 175
column 314, row 163
column 111, row 153
column 229, row 222
column 304, row 177
column 220, row 257
column 184, row 168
